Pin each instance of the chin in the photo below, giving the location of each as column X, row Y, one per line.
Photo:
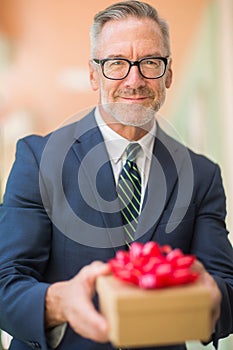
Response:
column 135, row 122
column 130, row 114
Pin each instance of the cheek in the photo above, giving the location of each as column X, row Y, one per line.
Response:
column 108, row 90
column 158, row 88
column 162, row 91
column 159, row 94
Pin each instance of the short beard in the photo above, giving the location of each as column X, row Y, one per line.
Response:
column 131, row 114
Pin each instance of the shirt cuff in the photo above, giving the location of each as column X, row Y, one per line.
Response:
column 55, row 335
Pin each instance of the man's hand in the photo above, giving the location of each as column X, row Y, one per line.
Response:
column 71, row 301
column 215, row 293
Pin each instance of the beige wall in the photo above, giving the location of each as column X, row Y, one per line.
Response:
column 44, row 71
column 47, row 74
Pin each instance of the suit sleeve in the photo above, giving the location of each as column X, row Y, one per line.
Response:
column 213, row 248
column 25, row 233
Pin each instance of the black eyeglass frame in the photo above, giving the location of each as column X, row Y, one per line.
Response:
column 131, row 63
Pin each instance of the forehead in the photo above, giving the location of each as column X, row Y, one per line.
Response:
column 130, row 37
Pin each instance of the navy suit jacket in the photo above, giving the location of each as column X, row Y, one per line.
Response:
column 60, row 213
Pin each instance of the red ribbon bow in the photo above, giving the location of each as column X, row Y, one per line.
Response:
column 151, row 266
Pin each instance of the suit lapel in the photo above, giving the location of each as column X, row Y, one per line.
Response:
column 99, row 181
column 162, row 181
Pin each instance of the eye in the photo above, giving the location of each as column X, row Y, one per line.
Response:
column 153, row 63
column 117, row 63
column 149, row 62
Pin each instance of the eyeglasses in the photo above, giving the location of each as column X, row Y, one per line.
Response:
column 119, row 68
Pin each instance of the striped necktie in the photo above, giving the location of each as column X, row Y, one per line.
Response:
column 129, row 192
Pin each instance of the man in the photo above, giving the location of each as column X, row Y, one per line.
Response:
column 60, row 220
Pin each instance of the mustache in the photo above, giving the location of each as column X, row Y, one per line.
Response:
column 141, row 91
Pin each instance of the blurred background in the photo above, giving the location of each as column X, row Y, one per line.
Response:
column 44, row 51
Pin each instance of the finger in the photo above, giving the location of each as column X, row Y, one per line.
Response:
column 95, row 269
column 88, row 322
column 97, row 325
column 82, row 315
column 198, row 266
column 90, row 272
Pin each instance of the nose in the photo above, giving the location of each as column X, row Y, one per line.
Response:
column 134, row 79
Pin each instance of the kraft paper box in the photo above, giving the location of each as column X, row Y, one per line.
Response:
column 154, row 317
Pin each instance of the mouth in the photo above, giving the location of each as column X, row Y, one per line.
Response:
column 134, row 98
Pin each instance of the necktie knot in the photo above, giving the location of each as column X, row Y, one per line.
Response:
column 132, row 151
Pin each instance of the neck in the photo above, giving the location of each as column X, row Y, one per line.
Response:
column 131, row 133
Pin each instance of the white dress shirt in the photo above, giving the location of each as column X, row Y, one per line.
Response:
column 116, row 146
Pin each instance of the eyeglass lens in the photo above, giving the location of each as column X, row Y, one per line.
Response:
column 119, row 68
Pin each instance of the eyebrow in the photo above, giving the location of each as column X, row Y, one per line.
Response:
column 155, row 54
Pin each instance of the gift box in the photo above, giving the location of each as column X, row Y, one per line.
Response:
column 165, row 316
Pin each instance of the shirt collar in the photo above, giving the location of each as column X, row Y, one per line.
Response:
column 116, row 144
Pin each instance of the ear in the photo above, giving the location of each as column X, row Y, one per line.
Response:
column 169, row 74
column 94, row 76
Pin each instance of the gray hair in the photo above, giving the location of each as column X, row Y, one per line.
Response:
column 122, row 10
